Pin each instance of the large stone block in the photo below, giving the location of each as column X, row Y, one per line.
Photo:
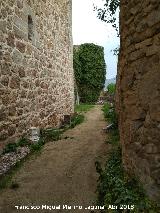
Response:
column 3, row 26
column 17, row 56
column 20, row 46
column 14, row 82
column 11, row 39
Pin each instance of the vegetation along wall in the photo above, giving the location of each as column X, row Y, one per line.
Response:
column 36, row 76
column 138, row 91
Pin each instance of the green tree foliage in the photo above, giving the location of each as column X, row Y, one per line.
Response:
column 90, row 71
column 111, row 88
column 108, row 12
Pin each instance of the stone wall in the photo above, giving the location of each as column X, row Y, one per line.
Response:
column 36, row 75
column 138, row 91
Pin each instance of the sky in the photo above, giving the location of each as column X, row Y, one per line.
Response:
column 87, row 28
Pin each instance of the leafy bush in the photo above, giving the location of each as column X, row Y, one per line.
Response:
column 90, row 70
column 111, row 88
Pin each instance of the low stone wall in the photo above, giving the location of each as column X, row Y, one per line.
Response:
column 138, row 91
column 36, row 74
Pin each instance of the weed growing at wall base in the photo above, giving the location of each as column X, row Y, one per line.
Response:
column 76, row 120
column 51, row 134
column 116, row 187
column 110, row 114
column 46, row 135
column 12, row 147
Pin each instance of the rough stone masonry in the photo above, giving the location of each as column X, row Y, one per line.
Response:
column 138, row 91
column 36, row 75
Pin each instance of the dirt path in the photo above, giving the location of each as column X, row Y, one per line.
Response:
column 64, row 173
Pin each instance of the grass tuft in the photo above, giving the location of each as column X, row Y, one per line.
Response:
column 83, row 107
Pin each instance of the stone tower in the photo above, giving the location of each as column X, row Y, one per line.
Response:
column 138, row 91
column 36, row 73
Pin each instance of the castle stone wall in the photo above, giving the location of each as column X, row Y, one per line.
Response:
column 36, row 72
column 138, row 91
